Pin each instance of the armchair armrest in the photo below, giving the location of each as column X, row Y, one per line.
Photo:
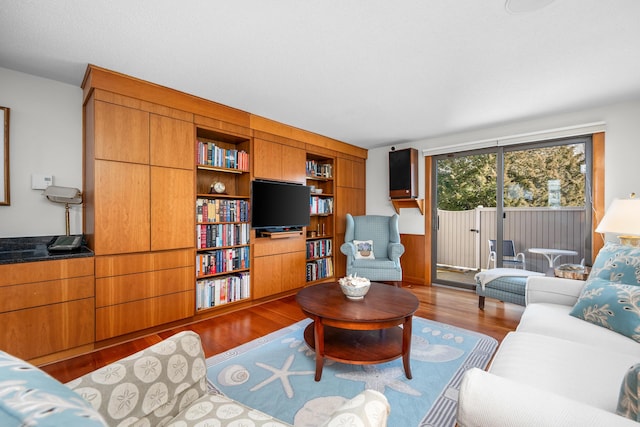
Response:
column 395, row 251
column 553, row 290
column 488, row 400
column 370, row 407
column 174, row 370
column 348, row 248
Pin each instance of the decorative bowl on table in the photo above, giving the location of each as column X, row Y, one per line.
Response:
column 572, row 271
column 353, row 287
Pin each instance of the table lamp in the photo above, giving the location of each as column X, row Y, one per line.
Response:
column 66, row 195
column 623, row 217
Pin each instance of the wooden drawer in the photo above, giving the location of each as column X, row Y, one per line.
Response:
column 120, row 319
column 29, row 272
column 48, row 329
column 36, row 294
column 266, row 246
column 115, row 265
column 132, row 287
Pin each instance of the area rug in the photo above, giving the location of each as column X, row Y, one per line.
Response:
column 275, row 374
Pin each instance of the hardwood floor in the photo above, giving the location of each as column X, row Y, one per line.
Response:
column 218, row 334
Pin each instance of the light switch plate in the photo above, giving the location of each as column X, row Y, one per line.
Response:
column 41, row 182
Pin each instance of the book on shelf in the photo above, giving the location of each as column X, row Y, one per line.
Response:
column 212, row 292
column 318, row 169
column 222, row 261
column 320, row 205
column 210, row 154
column 319, row 269
column 221, row 210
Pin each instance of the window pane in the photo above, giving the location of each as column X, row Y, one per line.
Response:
column 545, row 177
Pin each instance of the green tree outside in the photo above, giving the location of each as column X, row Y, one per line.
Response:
column 464, row 183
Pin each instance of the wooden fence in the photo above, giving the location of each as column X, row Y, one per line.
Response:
column 463, row 235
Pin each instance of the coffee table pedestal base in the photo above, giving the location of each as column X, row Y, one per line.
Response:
column 359, row 347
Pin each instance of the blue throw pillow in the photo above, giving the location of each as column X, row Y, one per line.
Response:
column 617, row 263
column 628, row 399
column 614, row 306
column 30, row 397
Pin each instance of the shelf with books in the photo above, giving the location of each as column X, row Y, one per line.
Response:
column 222, row 212
column 320, row 240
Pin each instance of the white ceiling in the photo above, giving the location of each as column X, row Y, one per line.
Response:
column 368, row 72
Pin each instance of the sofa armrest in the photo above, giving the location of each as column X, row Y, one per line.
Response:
column 370, row 407
column 152, row 384
column 489, row 400
column 395, row 251
column 553, row 290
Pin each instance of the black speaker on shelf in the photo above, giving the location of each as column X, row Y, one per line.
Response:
column 403, row 174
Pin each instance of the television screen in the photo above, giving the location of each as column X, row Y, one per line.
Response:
column 277, row 206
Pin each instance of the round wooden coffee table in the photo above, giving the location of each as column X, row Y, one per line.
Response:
column 358, row 332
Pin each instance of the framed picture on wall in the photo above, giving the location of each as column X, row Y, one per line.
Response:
column 4, row 158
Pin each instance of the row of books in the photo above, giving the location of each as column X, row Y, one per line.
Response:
column 314, row 168
column 222, row 261
column 319, row 269
column 218, row 235
column 212, row 155
column 320, row 205
column 319, row 248
column 222, row 290
column 222, row 210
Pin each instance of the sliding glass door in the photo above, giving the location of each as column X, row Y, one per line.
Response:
column 521, row 198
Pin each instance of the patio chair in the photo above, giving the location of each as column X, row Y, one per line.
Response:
column 509, row 256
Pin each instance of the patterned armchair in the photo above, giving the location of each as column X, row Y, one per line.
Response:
column 162, row 385
column 372, row 246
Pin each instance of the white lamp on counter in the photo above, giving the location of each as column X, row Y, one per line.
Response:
column 623, row 217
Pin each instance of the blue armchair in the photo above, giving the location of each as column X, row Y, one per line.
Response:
column 380, row 263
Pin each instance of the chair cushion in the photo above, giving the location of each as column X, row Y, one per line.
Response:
column 614, row 306
column 364, row 249
column 628, row 399
column 29, row 396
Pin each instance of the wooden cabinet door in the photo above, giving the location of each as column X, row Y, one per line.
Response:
column 279, row 162
column 122, row 208
column 121, row 133
column 293, row 271
column 267, row 159
column 171, row 142
column 266, row 275
column 172, row 208
column 293, row 164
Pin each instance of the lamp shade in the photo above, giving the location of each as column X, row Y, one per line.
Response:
column 622, row 217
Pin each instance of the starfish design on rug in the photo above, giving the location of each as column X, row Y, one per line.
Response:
column 378, row 379
column 281, row 374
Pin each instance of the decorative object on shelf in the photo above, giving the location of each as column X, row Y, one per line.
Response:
column 622, row 218
column 218, row 187
column 354, row 287
column 572, row 271
column 66, row 195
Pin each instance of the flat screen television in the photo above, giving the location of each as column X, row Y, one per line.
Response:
column 279, row 206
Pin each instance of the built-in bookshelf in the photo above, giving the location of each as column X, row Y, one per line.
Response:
column 222, row 219
column 320, row 233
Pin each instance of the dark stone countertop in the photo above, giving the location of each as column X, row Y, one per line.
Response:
column 15, row 250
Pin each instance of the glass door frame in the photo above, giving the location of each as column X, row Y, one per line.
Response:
column 499, row 151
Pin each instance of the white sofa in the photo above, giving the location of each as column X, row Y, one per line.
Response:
column 554, row 370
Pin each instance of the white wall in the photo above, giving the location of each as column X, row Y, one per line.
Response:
column 622, row 153
column 45, row 138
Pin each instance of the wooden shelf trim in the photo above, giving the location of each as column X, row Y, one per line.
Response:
column 408, row 203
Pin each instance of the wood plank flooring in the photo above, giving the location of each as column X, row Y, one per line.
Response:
column 218, row 334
